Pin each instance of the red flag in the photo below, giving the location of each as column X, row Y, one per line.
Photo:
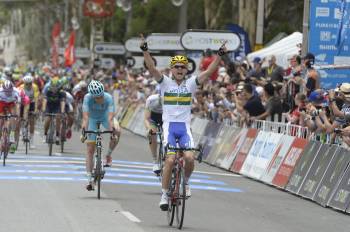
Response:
column 69, row 53
column 56, row 30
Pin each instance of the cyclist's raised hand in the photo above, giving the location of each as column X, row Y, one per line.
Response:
column 223, row 49
column 143, row 45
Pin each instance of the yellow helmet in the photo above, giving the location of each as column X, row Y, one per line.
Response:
column 178, row 59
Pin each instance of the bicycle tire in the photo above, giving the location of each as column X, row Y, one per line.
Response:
column 181, row 199
column 171, row 199
column 63, row 135
column 4, row 145
column 160, row 159
column 98, row 173
column 51, row 132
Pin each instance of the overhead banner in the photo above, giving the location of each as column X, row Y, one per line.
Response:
column 317, row 170
column 225, row 146
column 244, row 150
column 109, row 49
column 278, row 156
column 264, row 157
column 235, row 145
column 285, row 171
column 328, row 42
column 333, row 174
column 202, row 40
column 133, row 44
column 164, row 42
column 254, row 152
column 209, row 136
column 340, row 198
column 312, row 150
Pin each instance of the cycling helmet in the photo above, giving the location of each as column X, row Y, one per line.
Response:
column 7, row 86
column 28, row 79
column 96, row 88
column 178, row 59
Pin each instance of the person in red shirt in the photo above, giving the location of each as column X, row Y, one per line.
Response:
column 206, row 61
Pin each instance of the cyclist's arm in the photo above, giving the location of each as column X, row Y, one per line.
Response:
column 85, row 120
column 63, row 102
column 150, row 64
column 147, row 119
column 203, row 76
column 43, row 107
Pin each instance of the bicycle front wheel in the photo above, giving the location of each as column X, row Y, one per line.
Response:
column 181, row 198
column 98, row 173
column 4, row 145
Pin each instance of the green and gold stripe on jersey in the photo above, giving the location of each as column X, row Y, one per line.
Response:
column 177, row 98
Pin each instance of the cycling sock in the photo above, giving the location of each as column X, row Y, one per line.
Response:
column 109, row 152
column 186, row 180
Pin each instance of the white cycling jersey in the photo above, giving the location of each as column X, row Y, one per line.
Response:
column 12, row 97
column 177, row 99
column 154, row 104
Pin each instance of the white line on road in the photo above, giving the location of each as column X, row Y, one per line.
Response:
column 130, row 216
column 118, row 165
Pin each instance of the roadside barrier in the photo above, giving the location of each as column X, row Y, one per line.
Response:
column 278, row 154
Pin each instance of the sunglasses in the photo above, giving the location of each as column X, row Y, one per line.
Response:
column 179, row 66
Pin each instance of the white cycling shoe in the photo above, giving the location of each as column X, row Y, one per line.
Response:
column 156, row 168
column 163, row 204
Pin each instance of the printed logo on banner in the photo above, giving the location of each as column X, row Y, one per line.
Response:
column 254, row 152
column 276, row 161
column 264, row 157
column 284, row 172
column 334, row 172
column 340, row 198
column 243, row 151
column 317, row 170
column 302, row 168
column 234, row 148
column 226, row 144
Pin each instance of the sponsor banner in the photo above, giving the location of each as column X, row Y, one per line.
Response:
column 225, row 146
column 340, row 198
column 264, row 157
column 109, row 49
column 202, row 40
column 303, row 166
column 133, row 118
column 133, row 44
column 244, row 150
column 254, row 151
column 278, row 156
column 285, row 171
column 164, row 41
column 208, row 138
column 332, row 176
column 198, row 126
column 235, row 145
column 317, row 170
column 127, row 117
column 217, row 144
column 140, row 128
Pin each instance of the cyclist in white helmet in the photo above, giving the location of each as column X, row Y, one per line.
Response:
column 98, row 106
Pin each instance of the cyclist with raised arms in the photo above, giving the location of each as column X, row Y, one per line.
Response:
column 177, row 92
column 153, row 118
column 98, row 106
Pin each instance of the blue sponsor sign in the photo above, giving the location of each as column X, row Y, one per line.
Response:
column 244, row 48
column 329, row 39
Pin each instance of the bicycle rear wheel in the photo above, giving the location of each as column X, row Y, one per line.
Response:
column 181, row 198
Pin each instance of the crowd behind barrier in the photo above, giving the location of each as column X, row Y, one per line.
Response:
column 278, row 154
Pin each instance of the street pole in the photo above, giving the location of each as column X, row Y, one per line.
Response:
column 183, row 17
column 306, row 16
column 260, row 25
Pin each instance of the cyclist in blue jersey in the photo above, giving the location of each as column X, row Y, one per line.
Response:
column 98, row 106
column 177, row 92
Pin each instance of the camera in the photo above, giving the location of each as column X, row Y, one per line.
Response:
column 337, row 130
column 316, row 112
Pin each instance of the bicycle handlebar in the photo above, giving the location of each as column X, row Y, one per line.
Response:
column 96, row 132
column 199, row 149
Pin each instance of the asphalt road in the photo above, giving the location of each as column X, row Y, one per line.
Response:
column 42, row 193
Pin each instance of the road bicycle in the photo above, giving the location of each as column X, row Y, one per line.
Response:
column 50, row 138
column 98, row 171
column 5, row 136
column 177, row 187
